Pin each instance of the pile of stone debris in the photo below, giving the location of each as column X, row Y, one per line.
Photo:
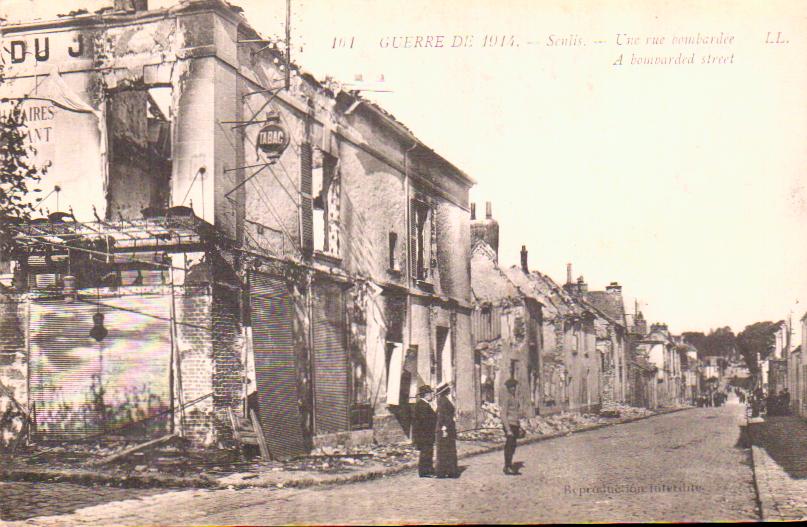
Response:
column 562, row 422
column 331, row 459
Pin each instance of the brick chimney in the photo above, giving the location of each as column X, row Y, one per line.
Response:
column 582, row 286
column 524, row 265
column 614, row 288
column 568, row 273
column 639, row 324
column 130, row 5
column 486, row 229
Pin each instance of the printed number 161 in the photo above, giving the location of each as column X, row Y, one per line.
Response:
column 339, row 42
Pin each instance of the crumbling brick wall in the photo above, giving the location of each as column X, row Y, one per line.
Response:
column 228, row 371
column 194, row 343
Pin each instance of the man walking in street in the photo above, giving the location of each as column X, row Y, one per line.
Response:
column 510, row 413
column 424, row 422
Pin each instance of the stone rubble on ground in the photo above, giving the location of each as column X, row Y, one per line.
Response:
column 563, row 422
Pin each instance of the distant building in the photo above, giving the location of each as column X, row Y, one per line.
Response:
column 796, row 371
column 660, row 349
column 571, row 364
column 642, row 385
column 612, row 341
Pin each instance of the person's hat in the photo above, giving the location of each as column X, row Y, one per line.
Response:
column 443, row 387
column 424, row 389
column 511, row 383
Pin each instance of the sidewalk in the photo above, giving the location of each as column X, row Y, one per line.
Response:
column 779, row 451
column 326, row 467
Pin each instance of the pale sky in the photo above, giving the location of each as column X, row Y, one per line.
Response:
column 684, row 182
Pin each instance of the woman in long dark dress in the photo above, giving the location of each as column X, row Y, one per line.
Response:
column 446, row 436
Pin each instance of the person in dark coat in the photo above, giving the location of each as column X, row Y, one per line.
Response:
column 424, row 421
column 446, row 435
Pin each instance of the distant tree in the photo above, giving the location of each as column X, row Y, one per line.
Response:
column 719, row 342
column 18, row 172
column 756, row 341
column 696, row 339
column 722, row 341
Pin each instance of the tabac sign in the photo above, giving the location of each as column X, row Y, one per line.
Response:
column 273, row 138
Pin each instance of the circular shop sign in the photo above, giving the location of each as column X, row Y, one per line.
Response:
column 272, row 140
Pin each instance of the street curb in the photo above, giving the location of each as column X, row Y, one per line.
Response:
column 764, row 503
column 391, row 471
column 87, row 477
column 167, row 481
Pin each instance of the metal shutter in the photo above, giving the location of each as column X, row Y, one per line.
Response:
column 275, row 365
column 331, row 372
column 306, row 201
column 81, row 387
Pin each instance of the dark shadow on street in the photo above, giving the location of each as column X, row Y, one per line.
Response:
column 784, row 438
column 743, row 440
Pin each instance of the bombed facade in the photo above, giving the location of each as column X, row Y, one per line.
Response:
column 529, row 328
column 230, row 240
column 506, row 324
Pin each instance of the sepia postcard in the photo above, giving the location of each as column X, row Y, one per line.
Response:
column 272, row 262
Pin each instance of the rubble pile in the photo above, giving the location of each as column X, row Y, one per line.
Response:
column 564, row 422
column 631, row 412
column 341, row 458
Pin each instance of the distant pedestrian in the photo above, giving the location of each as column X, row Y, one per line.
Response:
column 446, row 435
column 488, row 389
column 785, row 397
column 510, row 413
column 424, row 421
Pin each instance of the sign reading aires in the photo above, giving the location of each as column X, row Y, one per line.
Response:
column 273, row 138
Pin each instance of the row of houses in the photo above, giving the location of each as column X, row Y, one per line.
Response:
column 570, row 348
column 231, row 236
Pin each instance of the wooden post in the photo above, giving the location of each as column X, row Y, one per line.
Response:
column 256, row 425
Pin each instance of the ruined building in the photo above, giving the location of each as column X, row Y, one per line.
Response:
column 506, row 323
column 611, row 327
column 659, row 348
column 570, row 366
column 229, row 235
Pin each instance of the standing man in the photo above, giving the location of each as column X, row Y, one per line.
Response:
column 510, row 413
column 424, row 422
column 446, row 434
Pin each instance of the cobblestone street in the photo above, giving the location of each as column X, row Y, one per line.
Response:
column 685, row 466
column 780, row 464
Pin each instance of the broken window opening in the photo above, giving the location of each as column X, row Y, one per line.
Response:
column 393, row 246
column 421, row 239
column 326, row 206
column 139, row 151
